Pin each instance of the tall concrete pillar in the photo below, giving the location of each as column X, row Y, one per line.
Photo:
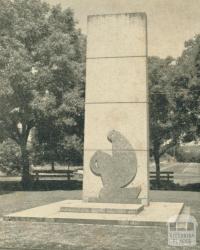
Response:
column 116, row 93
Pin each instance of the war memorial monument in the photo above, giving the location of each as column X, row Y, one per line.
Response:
column 116, row 138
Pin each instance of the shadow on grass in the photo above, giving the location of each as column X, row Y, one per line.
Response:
column 169, row 185
column 41, row 185
column 48, row 185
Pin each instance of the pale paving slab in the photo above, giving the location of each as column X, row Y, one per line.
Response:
column 125, row 74
column 158, row 213
column 127, row 118
column 116, row 35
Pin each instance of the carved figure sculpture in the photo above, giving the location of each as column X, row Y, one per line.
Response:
column 116, row 170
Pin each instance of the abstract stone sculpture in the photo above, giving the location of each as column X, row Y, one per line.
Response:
column 116, row 170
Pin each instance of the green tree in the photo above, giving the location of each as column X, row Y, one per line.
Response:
column 174, row 100
column 167, row 121
column 189, row 76
column 60, row 137
column 41, row 61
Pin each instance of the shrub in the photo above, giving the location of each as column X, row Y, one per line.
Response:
column 9, row 157
column 188, row 154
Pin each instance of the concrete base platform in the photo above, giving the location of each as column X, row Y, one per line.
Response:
column 157, row 213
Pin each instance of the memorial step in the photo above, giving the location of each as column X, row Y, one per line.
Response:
column 105, row 208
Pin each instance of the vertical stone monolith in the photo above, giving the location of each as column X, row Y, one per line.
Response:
column 116, row 100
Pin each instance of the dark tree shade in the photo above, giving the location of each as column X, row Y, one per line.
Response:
column 41, row 64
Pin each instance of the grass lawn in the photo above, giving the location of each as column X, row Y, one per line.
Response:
column 53, row 236
column 186, row 175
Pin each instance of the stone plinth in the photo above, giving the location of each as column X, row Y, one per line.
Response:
column 116, row 99
column 156, row 214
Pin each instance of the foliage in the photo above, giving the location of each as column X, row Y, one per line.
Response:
column 60, row 137
column 9, row 157
column 168, row 116
column 41, row 62
column 188, row 153
column 161, row 112
column 174, row 100
column 189, row 74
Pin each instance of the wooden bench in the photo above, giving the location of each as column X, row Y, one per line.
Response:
column 52, row 173
column 164, row 175
column 79, row 174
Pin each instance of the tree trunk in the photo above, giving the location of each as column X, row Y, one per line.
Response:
column 157, row 162
column 52, row 166
column 26, row 179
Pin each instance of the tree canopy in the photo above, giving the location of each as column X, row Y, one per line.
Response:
column 189, row 74
column 41, row 71
column 174, row 99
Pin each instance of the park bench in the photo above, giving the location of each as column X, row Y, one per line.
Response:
column 164, row 175
column 79, row 174
column 52, row 173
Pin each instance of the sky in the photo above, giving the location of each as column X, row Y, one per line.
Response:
column 170, row 22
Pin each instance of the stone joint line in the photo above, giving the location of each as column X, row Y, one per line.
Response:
column 110, row 57
column 116, row 102
column 111, row 150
